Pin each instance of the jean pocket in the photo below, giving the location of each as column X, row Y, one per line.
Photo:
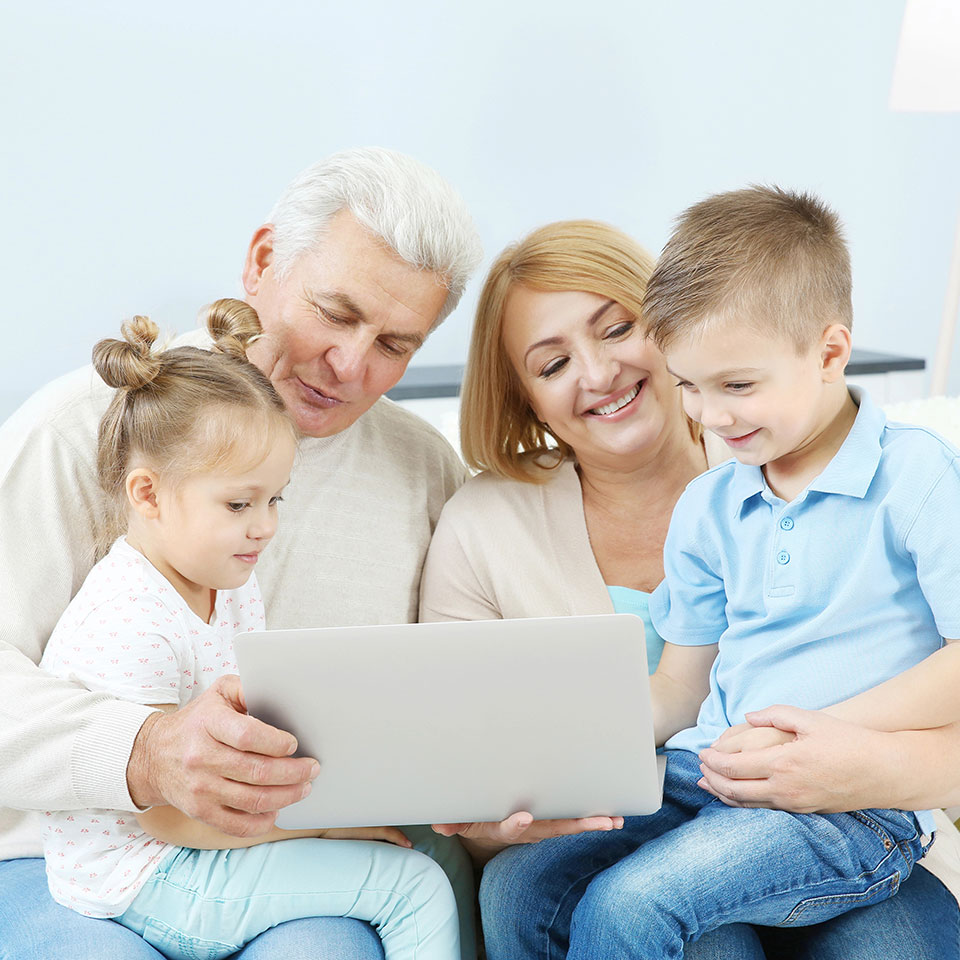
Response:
column 177, row 945
column 819, row 909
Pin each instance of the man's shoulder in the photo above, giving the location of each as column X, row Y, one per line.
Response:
column 65, row 412
column 389, row 433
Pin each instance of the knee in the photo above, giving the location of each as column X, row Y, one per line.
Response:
column 428, row 884
column 615, row 909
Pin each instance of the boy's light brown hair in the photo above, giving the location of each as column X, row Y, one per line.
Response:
column 771, row 258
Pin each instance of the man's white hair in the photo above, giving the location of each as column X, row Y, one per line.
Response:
column 400, row 200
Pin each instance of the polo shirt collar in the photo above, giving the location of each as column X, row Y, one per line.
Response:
column 849, row 473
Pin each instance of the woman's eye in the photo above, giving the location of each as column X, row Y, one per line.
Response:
column 551, row 368
column 685, row 385
column 237, row 505
column 275, row 500
column 619, row 330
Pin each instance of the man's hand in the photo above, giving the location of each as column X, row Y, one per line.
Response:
column 217, row 764
column 484, row 840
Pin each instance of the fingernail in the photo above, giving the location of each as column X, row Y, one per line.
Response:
column 315, row 770
column 307, row 787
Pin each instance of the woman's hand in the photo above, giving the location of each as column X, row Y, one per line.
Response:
column 813, row 763
column 486, row 839
column 387, row 834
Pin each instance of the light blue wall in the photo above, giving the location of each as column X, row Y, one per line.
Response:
column 140, row 146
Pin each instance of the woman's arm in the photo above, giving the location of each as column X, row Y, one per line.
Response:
column 832, row 765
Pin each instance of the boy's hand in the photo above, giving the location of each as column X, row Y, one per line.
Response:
column 388, row 834
column 744, row 737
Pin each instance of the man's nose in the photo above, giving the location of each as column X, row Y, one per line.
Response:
column 348, row 356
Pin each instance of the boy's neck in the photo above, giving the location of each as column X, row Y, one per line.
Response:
column 788, row 476
column 201, row 600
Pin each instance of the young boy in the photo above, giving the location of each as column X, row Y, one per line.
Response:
column 818, row 568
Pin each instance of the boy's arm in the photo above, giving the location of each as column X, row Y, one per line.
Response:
column 920, row 698
column 679, row 686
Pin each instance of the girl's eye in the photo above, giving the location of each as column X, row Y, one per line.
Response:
column 551, row 368
column 236, row 506
column 619, row 330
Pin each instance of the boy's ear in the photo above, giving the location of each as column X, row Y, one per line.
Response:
column 834, row 352
column 141, row 489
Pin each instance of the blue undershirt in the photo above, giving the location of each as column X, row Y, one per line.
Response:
column 628, row 600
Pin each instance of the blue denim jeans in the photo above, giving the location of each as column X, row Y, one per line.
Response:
column 693, row 866
column 33, row 926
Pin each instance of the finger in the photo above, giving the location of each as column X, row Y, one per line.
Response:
column 749, row 765
column 260, row 771
column 250, row 799
column 448, row 829
column 395, row 835
column 781, row 716
column 228, row 686
column 737, row 793
column 514, row 827
column 243, row 732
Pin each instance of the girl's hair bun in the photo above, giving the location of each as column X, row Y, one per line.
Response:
column 233, row 325
column 129, row 363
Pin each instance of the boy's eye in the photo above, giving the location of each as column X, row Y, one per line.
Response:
column 237, row 505
column 555, row 367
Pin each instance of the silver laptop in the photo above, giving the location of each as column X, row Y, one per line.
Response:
column 464, row 721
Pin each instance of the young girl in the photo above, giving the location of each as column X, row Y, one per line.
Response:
column 195, row 450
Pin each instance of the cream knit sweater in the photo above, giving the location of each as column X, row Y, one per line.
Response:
column 354, row 529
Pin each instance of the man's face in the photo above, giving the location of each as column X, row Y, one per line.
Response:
column 342, row 324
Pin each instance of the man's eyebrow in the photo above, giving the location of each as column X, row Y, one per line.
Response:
column 553, row 341
column 346, row 303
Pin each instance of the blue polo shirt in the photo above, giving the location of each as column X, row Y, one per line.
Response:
column 819, row 599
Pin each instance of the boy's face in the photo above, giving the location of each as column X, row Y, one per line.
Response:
column 752, row 390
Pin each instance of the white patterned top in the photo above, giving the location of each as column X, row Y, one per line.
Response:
column 129, row 633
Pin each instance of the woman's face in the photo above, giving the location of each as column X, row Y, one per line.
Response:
column 589, row 372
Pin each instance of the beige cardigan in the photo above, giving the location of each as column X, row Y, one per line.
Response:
column 503, row 548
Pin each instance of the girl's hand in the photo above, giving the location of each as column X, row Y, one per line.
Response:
column 743, row 737
column 387, row 834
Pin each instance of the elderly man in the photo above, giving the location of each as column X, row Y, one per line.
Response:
column 363, row 255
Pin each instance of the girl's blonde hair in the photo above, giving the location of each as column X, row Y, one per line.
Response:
column 186, row 409
column 499, row 431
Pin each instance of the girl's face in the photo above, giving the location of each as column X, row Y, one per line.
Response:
column 210, row 528
column 589, row 372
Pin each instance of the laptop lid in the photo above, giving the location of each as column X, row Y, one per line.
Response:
column 461, row 721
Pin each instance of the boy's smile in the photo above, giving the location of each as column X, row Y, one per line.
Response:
column 772, row 407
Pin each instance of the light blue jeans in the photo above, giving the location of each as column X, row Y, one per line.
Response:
column 33, row 926
column 206, row 904
column 668, row 879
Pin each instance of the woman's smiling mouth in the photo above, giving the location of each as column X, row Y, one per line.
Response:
column 614, row 405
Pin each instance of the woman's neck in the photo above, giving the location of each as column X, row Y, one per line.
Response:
column 658, row 474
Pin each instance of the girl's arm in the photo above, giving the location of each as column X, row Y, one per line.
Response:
column 679, row 686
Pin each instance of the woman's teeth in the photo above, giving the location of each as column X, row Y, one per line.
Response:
column 617, row 404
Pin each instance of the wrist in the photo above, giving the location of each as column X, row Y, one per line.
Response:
column 140, row 767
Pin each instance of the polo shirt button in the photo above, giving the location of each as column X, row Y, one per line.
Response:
column 786, row 523
column 783, row 557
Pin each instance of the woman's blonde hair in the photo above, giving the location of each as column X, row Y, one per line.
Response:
column 499, row 431
column 186, row 409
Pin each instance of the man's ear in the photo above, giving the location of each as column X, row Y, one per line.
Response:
column 141, row 489
column 259, row 258
column 834, row 351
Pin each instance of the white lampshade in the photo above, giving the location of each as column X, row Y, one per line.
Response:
column 927, row 73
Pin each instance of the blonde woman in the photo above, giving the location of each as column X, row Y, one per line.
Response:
column 576, row 425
